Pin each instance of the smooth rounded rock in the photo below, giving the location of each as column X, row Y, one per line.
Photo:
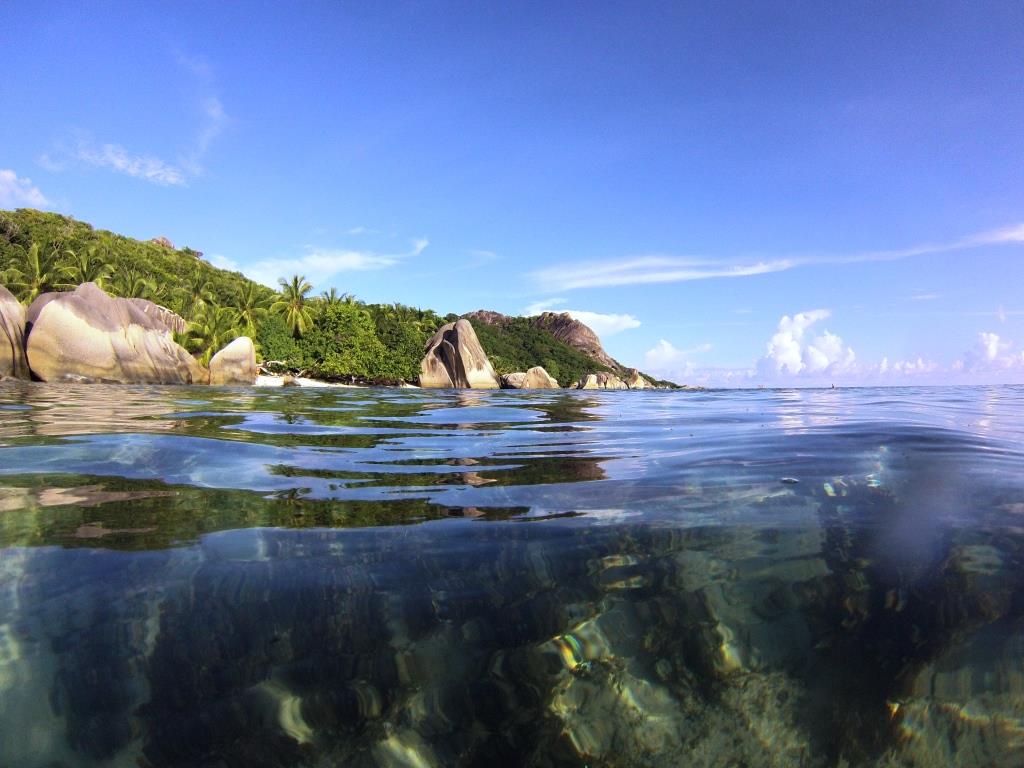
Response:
column 235, row 364
column 88, row 335
column 13, row 363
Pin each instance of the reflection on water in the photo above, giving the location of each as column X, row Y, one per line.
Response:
column 222, row 577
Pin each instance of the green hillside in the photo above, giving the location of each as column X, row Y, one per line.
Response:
column 518, row 345
column 332, row 336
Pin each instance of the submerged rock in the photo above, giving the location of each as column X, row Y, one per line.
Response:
column 235, row 364
column 88, row 335
column 535, row 378
column 454, row 358
column 12, row 337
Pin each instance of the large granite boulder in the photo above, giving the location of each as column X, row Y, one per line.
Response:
column 88, row 335
column 454, row 358
column 634, row 380
column 12, row 337
column 535, row 378
column 235, row 364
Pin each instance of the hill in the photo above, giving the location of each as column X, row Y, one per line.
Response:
column 332, row 336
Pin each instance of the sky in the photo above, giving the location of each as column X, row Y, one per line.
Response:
column 730, row 194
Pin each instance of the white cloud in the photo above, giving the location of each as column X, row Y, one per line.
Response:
column 600, row 323
column 663, row 356
column 640, row 270
column 991, row 353
column 112, row 156
column 647, row 269
column 924, row 297
column 791, row 350
column 221, row 261
column 16, row 191
column 319, row 265
column 116, row 158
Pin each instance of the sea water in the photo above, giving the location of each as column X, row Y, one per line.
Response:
column 382, row 577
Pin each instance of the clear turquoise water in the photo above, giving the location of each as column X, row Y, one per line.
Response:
column 217, row 577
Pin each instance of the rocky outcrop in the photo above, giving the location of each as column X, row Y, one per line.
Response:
column 12, row 337
column 635, row 380
column 576, row 335
column 235, row 364
column 560, row 325
column 454, row 358
column 535, row 378
column 601, row 380
column 88, row 335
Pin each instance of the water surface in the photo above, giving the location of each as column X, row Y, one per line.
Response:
column 361, row 577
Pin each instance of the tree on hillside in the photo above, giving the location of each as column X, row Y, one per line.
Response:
column 332, row 297
column 84, row 266
column 252, row 308
column 292, row 304
column 131, row 283
column 198, row 293
column 211, row 330
column 36, row 273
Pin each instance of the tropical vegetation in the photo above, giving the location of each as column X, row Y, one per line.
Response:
column 332, row 335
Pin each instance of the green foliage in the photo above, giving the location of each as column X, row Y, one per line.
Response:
column 177, row 279
column 293, row 303
column 275, row 342
column 211, row 330
column 331, row 336
column 517, row 345
column 342, row 341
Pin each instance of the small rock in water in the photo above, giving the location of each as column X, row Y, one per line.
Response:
column 789, row 480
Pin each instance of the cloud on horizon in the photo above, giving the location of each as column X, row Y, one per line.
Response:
column 650, row 269
column 603, row 324
column 16, row 191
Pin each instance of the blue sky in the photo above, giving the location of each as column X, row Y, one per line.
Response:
column 731, row 193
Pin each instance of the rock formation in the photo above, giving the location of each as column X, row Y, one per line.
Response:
column 12, row 337
column 635, row 380
column 535, row 378
column 454, row 358
column 601, row 380
column 88, row 335
column 235, row 364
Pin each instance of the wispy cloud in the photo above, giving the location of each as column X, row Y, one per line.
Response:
column 320, row 264
column 116, row 158
column 17, row 191
column 603, row 324
column 925, row 297
column 641, row 270
column 84, row 151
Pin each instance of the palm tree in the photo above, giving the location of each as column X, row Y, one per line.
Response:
column 332, row 297
column 133, row 284
column 211, row 330
column 36, row 274
column 199, row 293
column 292, row 304
column 84, row 267
column 252, row 307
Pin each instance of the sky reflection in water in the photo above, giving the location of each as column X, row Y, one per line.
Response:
column 384, row 577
